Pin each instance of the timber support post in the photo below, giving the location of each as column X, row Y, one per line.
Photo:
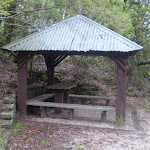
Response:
column 122, row 69
column 121, row 93
column 22, row 89
column 50, row 69
column 23, row 58
column 51, row 62
column 121, row 86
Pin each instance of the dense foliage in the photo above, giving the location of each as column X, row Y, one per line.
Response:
column 130, row 18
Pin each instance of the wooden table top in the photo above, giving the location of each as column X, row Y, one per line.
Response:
column 61, row 86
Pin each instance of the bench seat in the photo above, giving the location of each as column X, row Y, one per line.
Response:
column 92, row 97
column 41, row 97
column 72, row 107
column 85, row 98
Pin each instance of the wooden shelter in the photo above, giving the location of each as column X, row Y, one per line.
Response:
column 75, row 36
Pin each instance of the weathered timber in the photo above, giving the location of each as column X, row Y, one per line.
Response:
column 24, row 60
column 57, row 58
column 84, row 97
column 92, row 97
column 41, row 97
column 118, row 62
column 50, row 68
column 43, row 111
column 66, row 96
column 61, row 58
column 59, row 97
column 121, row 93
column 71, row 106
column 121, row 58
column 61, row 91
column 22, row 90
column 61, row 86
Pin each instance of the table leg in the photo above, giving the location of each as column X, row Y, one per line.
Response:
column 59, row 99
column 66, row 96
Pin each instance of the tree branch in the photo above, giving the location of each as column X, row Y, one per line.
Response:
column 143, row 63
column 26, row 11
column 11, row 24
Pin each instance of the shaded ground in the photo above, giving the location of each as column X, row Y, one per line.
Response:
column 61, row 137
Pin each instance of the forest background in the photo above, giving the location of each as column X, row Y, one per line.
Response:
column 130, row 18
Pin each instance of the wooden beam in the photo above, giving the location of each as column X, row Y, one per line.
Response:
column 60, row 59
column 118, row 62
column 57, row 58
column 22, row 90
column 121, row 58
column 24, row 59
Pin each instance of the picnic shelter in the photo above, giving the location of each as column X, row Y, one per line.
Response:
column 78, row 35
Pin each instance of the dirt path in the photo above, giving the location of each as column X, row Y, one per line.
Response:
column 64, row 137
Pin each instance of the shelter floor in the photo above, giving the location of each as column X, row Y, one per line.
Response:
column 92, row 119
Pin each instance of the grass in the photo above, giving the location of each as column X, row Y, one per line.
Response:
column 120, row 122
column 79, row 148
column 18, row 127
column 2, row 139
column 45, row 143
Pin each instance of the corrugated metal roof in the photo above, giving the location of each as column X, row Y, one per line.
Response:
column 75, row 34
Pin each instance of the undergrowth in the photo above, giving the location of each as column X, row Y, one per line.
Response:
column 145, row 104
column 120, row 122
column 2, row 139
column 18, row 127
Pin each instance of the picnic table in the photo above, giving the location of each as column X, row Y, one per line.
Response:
column 61, row 91
column 61, row 97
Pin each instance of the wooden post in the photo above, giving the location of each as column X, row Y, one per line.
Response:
column 22, row 89
column 50, row 69
column 121, row 93
column 50, row 73
column 59, row 96
column 66, row 96
column 122, row 68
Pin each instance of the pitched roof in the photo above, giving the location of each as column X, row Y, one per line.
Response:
column 75, row 34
